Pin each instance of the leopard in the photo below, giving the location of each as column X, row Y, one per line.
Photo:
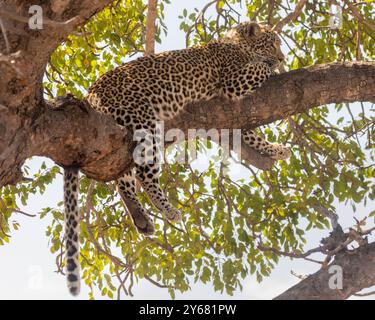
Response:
column 157, row 87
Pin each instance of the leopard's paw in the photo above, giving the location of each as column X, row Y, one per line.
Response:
column 173, row 215
column 280, row 152
column 143, row 223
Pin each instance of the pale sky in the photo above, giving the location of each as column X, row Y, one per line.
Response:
column 27, row 269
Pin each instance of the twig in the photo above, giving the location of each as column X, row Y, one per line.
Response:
column 358, row 54
column 293, row 254
column 359, row 17
column 201, row 14
column 329, row 214
column 156, row 283
column 5, row 207
column 291, row 16
column 90, row 207
column 24, row 213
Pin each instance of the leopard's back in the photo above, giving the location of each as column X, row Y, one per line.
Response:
column 156, row 86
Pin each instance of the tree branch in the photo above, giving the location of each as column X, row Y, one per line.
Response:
column 24, row 92
column 358, row 273
column 24, row 55
column 151, row 26
column 291, row 16
column 104, row 150
column 358, row 15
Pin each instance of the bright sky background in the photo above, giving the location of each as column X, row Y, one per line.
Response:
column 27, row 269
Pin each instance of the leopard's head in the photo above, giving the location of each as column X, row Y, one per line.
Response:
column 259, row 39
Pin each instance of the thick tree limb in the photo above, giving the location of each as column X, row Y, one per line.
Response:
column 70, row 135
column 350, row 271
column 358, row 273
column 24, row 54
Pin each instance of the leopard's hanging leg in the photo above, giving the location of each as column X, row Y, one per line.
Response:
column 148, row 171
column 140, row 216
column 273, row 150
column 148, row 175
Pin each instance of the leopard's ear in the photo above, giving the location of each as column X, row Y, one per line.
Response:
column 249, row 29
column 253, row 29
column 245, row 30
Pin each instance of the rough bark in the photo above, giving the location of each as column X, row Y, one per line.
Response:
column 358, row 273
column 152, row 14
column 24, row 54
column 74, row 135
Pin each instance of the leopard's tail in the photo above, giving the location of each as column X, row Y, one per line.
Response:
column 72, row 220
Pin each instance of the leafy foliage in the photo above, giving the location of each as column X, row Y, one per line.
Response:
column 230, row 209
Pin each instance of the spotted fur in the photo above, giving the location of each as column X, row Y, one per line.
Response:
column 142, row 92
column 273, row 150
column 72, row 220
